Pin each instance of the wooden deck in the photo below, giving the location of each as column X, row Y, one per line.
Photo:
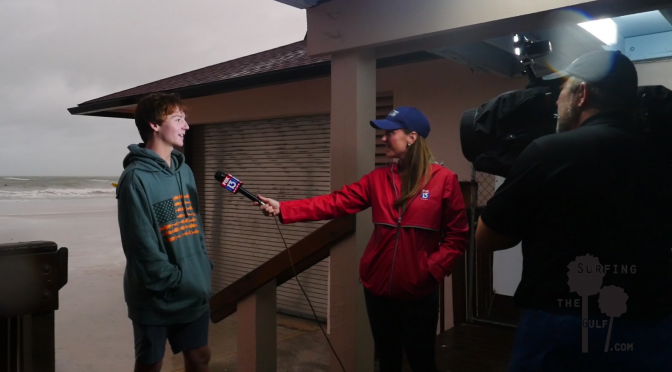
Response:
column 473, row 348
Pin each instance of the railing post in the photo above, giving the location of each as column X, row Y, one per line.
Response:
column 31, row 275
column 256, row 316
column 253, row 296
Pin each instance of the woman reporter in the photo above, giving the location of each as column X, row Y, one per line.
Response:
column 420, row 229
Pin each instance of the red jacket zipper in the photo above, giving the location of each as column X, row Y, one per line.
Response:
column 396, row 244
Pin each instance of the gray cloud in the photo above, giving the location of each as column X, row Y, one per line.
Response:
column 56, row 54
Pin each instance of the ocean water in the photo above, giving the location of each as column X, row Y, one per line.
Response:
column 31, row 188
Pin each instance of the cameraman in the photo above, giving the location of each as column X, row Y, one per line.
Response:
column 596, row 188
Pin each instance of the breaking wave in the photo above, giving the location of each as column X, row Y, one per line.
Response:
column 56, row 193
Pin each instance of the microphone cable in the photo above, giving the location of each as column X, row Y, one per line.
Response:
column 296, row 276
column 233, row 185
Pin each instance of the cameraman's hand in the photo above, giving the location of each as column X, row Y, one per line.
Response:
column 271, row 208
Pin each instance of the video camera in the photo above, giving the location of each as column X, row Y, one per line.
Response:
column 495, row 133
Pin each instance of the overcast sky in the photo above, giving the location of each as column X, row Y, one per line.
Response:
column 55, row 54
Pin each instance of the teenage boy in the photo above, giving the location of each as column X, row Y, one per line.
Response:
column 167, row 278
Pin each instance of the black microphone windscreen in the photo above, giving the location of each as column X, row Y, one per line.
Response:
column 219, row 176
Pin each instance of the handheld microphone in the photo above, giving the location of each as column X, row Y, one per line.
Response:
column 234, row 185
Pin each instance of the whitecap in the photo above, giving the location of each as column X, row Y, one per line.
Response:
column 56, row 194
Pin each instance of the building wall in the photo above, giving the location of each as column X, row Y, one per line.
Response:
column 655, row 73
column 309, row 97
column 441, row 89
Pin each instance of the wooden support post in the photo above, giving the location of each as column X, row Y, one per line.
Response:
column 42, row 340
column 353, row 103
column 257, row 340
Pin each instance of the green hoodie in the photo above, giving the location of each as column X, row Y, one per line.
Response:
column 167, row 278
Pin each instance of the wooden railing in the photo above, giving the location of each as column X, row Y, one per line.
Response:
column 253, row 296
column 305, row 253
column 31, row 274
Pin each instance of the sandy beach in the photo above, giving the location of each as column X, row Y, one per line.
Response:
column 92, row 311
column 93, row 332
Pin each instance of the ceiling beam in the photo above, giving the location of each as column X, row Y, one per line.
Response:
column 302, row 4
column 481, row 56
column 667, row 13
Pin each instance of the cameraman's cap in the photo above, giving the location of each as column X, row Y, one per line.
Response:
column 404, row 118
column 607, row 69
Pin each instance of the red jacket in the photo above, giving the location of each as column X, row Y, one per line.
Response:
column 410, row 253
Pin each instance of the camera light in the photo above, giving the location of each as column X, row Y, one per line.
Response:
column 516, row 38
column 517, row 51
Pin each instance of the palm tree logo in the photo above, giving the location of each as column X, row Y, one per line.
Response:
column 613, row 303
column 586, row 280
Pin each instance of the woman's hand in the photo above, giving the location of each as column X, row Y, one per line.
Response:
column 271, row 208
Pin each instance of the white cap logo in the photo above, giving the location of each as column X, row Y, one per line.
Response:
column 393, row 113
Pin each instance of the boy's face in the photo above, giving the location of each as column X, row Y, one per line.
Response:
column 172, row 130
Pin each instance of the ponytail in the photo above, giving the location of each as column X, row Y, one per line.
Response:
column 417, row 165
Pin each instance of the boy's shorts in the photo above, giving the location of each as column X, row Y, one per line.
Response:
column 150, row 340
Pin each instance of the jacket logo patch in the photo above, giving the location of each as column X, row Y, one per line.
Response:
column 178, row 208
column 424, row 195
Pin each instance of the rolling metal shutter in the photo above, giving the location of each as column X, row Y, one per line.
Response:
column 283, row 159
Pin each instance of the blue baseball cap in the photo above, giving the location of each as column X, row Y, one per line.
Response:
column 404, row 118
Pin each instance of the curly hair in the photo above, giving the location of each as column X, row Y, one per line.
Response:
column 154, row 109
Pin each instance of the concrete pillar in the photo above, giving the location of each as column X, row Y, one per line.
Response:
column 353, row 105
column 257, row 340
